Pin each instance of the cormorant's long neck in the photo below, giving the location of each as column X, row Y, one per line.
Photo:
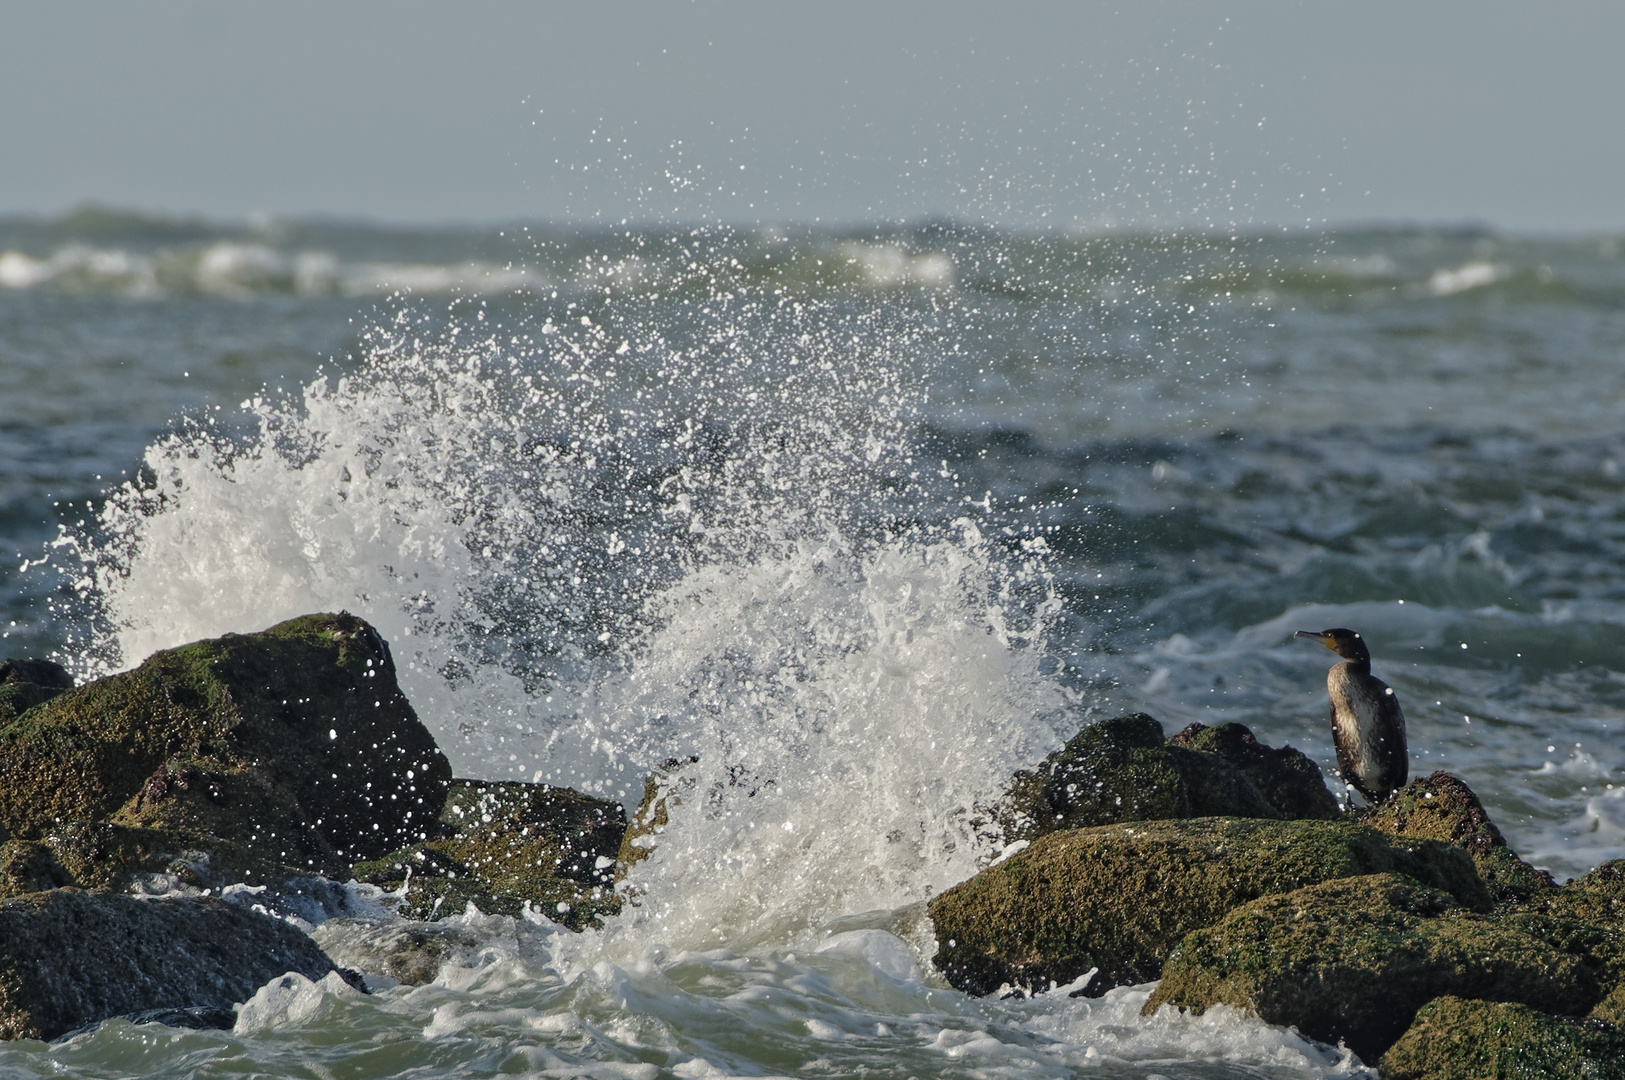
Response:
column 1359, row 665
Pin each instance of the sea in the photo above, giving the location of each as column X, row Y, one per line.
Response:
column 864, row 519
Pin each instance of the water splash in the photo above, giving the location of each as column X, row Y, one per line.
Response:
column 595, row 549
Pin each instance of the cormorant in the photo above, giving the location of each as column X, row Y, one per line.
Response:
column 1367, row 727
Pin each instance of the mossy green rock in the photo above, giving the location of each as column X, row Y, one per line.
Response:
column 1442, row 807
column 294, row 742
column 1456, row 1039
column 1125, row 770
column 1120, row 897
column 1354, row 959
column 506, row 846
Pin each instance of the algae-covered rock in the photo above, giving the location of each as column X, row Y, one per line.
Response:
column 1124, row 770
column 1120, row 897
column 26, row 683
column 1456, row 1039
column 295, row 742
column 508, row 845
column 1442, row 807
column 1354, row 959
column 70, row 958
column 663, row 791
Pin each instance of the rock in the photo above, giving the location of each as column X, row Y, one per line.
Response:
column 69, row 958
column 1456, row 1039
column 407, row 953
column 662, row 791
column 1120, row 897
column 1289, row 782
column 1124, row 770
column 1442, row 807
column 294, row 744
column 26, row 683
column 508, row 845
column 1354, row 959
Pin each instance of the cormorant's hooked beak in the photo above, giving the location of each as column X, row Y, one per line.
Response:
column 1325, row 639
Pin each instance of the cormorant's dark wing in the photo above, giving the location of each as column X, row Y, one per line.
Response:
column 1390, row 729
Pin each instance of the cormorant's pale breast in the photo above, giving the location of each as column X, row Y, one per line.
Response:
column 1368, row 727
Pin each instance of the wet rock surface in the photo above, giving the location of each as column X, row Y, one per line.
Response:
column 1126, row 770
column 409, row 954
column 1119, row 898
column 1456, row 1039
column 25, row 683
column 508, row 846
column 69, row 958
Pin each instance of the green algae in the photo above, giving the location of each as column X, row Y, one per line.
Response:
column 1353, row 959
column 1119, row 898
column 1456, row 1039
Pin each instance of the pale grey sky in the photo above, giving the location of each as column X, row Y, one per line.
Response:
column 1030, row 114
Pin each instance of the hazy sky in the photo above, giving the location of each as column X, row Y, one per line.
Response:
column 1024, row 113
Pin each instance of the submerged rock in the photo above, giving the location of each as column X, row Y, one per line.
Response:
column 69, row 958
column 26, row 683
column 1354, row 959
column 1456, row 1039
column 1442, row 807
column 509, row 845
column 410, row 954
column 1119, row 898
column 294, row 744
column 1125, row 770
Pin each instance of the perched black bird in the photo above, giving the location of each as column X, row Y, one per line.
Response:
column 1367, row 727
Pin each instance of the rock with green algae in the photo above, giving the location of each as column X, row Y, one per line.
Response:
column 295, row 743
column 1456, row 1039
column 1120, row 897
column 1353, row 959
column 102, row 855
column 1442, row 807
column 1125, row 770
column 505, row 846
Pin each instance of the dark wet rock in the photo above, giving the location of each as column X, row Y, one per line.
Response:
column 1289, row 782
column 1125, row 770
column 1456, row 1039
column 1119, row 898
column 1442, row 807
column 507, row 846
column 1353, row 959
column 406, row 953
column 69, row 958
column 46, row 673
column 294, row 743
column 26, row 683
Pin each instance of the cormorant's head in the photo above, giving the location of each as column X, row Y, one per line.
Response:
column 1342, row 641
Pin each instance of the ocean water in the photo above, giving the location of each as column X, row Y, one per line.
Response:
column 865, row 519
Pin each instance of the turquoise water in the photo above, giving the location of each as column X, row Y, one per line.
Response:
column 869, row 517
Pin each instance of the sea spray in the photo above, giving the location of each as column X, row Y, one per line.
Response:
column 594, row 551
